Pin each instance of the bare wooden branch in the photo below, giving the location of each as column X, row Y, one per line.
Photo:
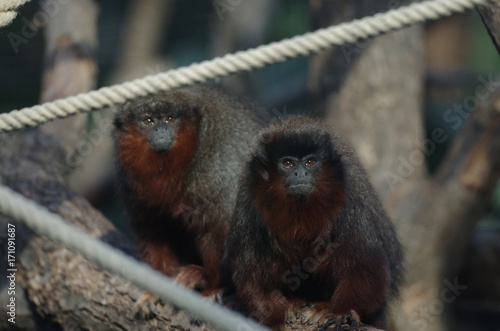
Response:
column 71, row 39
column 70, row 68
column 145, row 27
column 442, row 227
column 491, row 19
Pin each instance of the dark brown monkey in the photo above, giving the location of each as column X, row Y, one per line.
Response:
column 308, row 227
column 178, row 158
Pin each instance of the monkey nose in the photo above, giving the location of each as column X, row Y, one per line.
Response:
column 301, row 173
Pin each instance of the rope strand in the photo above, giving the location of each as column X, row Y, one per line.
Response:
column 242, row 61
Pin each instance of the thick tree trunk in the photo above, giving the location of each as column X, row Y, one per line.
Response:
column 491, row 18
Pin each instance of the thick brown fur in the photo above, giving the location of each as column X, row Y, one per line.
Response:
column 180, row 196
column 334, row 246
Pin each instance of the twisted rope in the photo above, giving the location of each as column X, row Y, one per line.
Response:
column 259, row 57
column 8, row 10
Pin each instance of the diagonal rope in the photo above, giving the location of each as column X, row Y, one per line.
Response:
column 53, row 226
column 259, row 57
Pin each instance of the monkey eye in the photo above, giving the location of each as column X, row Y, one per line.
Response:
column 311, row 162
column 149, row 121
column 171, row 119
column 287, row 163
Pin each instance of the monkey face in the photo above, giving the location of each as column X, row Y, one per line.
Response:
column 160, row 131
column 299, row 174
column 293, row 160
column 160, row 120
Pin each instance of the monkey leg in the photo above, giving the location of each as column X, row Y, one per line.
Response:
column 211, row 249
column 266, row 307
column 161, row 257
column 361, row 296
column 191, row 276
column 351, row 319
column 318, row 312
column 322, row 313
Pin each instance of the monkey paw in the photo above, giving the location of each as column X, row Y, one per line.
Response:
column 146, row 305
column 191, row 276
column 351, row 319
column 315, row 313
column 215, row 295
column 294, row 311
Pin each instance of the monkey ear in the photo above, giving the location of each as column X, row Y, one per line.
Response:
column 118, row 123
column 264, row 175
column 265, row 138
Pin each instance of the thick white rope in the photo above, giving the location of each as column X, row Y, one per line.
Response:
column 306, row 44
column 8, row 10
column 53, row 226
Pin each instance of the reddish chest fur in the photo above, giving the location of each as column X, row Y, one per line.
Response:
column 157, row 178
column 300, row 219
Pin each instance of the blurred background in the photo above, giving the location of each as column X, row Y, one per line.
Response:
column 138, row 38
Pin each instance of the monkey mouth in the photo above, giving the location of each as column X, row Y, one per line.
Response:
column 161, row 146
column 300, row 190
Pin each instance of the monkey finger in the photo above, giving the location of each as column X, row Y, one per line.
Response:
column 294, row 308
column 312, row 317
column 352, row 319
column 316, row 313
column 146, row 306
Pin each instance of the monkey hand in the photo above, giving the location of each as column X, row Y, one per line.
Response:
column 315, row 313
column 216, row 295
column 351, row 319
column 146, row 305
column 191, row 276
column 294, row 311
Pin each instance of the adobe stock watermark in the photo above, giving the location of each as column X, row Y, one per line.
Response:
column 224, row 6
column 455, row 116
column 48, row 9
column 11, row 273
column 424, row 316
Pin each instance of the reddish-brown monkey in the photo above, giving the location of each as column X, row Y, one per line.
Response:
column 309, row 227
column 178, row 157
